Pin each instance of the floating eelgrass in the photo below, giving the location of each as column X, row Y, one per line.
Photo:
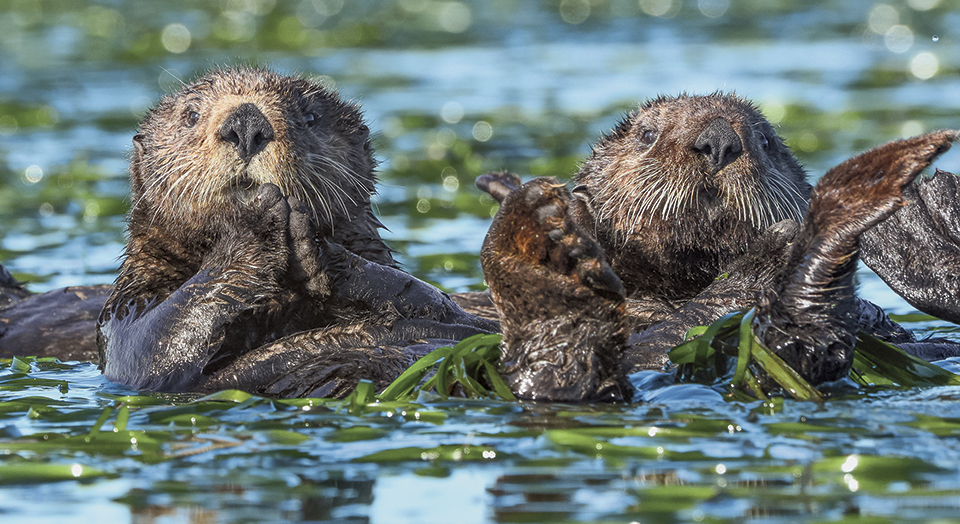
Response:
column 725, row 354
column 729, row 343
column 469, row 367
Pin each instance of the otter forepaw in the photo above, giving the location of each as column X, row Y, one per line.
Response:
column 562, row 309
column 257, row 242
column 270, row 217
column 267, row 196
column 535, row 233
column 305, row 265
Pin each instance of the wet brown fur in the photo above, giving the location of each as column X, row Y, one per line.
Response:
column 670, row 218
column 560, row 306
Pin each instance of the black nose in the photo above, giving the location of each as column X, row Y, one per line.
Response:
column 248, row 130
column 719, row 143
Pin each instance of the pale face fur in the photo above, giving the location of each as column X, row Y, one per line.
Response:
column 669, row 217
column 187, row 174
column 650, row 185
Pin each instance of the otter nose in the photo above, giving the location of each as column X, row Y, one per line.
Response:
column 248, row 130
column 719, row 143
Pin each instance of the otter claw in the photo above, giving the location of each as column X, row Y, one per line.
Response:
column 267, row 196
column 499, row 184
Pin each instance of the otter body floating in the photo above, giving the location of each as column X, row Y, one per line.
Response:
column 254, row 259
column 699, row 209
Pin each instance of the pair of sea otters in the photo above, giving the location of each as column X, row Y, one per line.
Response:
column 255, row 262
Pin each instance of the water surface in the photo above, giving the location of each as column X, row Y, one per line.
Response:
column 455, row 89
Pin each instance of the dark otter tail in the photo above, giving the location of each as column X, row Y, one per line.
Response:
column 810, row 318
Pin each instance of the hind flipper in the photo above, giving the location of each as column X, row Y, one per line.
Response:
column 917, row 250
column 810, row 319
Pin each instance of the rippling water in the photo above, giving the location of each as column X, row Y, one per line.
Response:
column 454, row 89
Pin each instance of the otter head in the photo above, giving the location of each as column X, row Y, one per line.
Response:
column 682, row 185
column 202, row 152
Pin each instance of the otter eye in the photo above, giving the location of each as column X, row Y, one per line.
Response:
column 648, row 137
column 764, row 142
column 311, row 119
column 192, row 118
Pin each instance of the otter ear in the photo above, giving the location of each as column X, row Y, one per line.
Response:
column 135, row 159
column 137, row 145
column 364, row 133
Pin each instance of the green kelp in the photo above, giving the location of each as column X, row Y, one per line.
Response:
column 65, row 438
column 728, row 354
column 470, row 366
column 234, row 455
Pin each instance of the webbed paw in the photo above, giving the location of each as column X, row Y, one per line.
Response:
column 917, row 250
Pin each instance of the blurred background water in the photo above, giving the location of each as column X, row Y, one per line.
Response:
column 453, row 89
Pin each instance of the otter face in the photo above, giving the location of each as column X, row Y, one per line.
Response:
column 203, row 151
column 683, row 184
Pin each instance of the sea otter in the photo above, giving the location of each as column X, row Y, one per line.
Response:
column 682, row 187
column 693, row 202
column 253, row 254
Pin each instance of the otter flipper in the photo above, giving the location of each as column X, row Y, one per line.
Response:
column 917, row 250
column 561, row 307
column 810, row 317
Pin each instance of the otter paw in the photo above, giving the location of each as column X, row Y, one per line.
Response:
column 305, row 268
column 562, row 309
column 534, row 238
column 257, row 242
column 269, row 216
